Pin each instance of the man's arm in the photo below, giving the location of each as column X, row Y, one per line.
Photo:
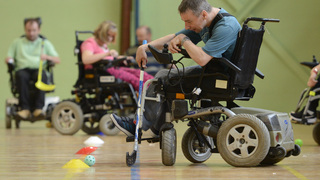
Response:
column 54, row 59
column 50, row 53
column 89, row 58
column 196, row 53
column 11, row 52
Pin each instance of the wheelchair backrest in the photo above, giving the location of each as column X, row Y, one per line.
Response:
column 94, row 75
column 77, row 52
column 246, row 54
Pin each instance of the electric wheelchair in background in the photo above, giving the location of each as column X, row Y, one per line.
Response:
column 308, row 95
column 12, row 104
column 243, row 136
column 97, row 93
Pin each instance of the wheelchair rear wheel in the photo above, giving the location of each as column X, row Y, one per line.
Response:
column 316, row 133
column 191, row 148
column 243, row 140
column 67, row 118
column 169, row 147
column 8, row 122
column 107, row 126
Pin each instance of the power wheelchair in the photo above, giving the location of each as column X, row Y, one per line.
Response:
column 308, row 95
column 97, row 93
column 12, row 104
column 243, row 136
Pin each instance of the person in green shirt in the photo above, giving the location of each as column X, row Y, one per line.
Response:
column 26, row 52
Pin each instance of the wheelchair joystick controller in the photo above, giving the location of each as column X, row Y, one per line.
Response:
column 165, row 48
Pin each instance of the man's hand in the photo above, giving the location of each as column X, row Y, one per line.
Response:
column 313, row 76
column 43, row 57
column 175, row 43
column 9, row 60
column 141, row 55
column 312, row 81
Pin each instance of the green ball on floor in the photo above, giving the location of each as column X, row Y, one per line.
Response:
column 298, row 142
column 89, row 160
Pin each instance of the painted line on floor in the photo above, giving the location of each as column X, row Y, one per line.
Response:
column 294, row 172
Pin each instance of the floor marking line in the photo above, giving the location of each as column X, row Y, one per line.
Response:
column 294, row 172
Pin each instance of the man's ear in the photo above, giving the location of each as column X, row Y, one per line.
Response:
column 204, row 14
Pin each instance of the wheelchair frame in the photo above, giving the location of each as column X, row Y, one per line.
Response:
column 269, row 136
column 308, row 96
column 97, row 93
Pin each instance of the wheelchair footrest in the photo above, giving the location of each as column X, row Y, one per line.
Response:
column 150, row 140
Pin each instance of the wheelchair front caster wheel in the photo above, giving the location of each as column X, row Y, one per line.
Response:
column 107, row 126
column 297, row 150
column 191, row 147
column 67, row 118
column 169, row 147
column 90, row 127
column 275, row 155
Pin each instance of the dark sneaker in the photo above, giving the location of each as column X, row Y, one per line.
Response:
column 125, row 124
column 297, row 117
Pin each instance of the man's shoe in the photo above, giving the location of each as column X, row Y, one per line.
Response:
column 37, row 112
column 297, row 117
column 125, row 124
column 24, row 113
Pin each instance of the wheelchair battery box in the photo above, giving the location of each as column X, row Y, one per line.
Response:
column 179, row 108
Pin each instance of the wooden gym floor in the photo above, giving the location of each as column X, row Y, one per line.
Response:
column 36, row 152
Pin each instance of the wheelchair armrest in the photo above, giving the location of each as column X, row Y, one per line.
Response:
column 118, row 62
column 228, row 63
column 162, row 58
column 259, row 74
column 50, row 64
column 110, row 63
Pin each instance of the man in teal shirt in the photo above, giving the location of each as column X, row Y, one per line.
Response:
column 219, row 37
column 26, row 53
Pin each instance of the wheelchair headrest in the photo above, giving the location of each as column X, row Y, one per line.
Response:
column 37, row 19
column 40, row 35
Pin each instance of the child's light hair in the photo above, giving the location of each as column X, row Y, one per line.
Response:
column 102, row 30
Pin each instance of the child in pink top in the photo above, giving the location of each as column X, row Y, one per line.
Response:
column 95, row 49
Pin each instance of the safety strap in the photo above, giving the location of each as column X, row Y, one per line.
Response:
column 218, row 17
